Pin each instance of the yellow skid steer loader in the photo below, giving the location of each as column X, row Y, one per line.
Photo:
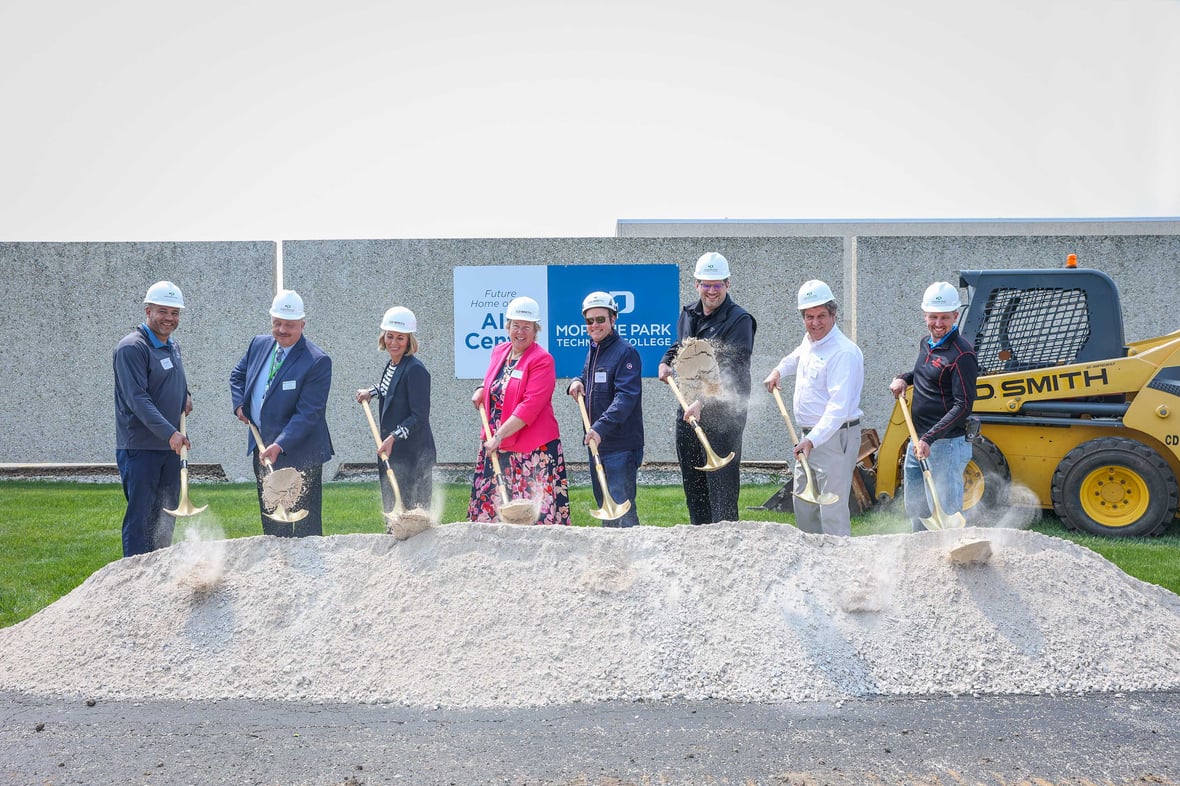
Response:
column 1065, row 408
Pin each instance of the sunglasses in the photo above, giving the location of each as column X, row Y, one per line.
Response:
column 595, row 320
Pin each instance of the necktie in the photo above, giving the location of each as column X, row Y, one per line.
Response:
column 275, row 362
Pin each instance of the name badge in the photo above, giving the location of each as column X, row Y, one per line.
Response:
column 288, row 384
column 600, row 377
column 165, row 363
column 517, row 374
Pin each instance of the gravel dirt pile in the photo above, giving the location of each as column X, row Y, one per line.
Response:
column 499, row 615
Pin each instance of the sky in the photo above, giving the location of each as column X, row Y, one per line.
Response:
column 144, row 120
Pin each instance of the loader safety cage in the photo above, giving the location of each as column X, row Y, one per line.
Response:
column 1020, row 320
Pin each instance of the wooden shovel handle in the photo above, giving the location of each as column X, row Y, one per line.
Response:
column 487, row 430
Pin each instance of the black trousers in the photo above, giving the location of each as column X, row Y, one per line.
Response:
column 312, row 500
column 711, row 496
column 415, row 481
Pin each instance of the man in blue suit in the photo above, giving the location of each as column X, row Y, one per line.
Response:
column 281, row 385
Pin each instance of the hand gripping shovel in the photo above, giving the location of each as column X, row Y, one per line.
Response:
column 714, row 461
column 512, row 511
column 808, row 494
column 610, row 510
column 940, row 519
column 280, row 513
column 184, row 507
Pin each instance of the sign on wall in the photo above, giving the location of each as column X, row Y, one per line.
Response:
column 648, row 298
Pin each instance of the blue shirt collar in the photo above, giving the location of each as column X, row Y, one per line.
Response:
column 930, row 342
column 157, row 343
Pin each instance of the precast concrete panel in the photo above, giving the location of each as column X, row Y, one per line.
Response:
column 66, row 305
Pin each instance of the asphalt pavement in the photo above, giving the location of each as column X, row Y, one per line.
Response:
column 1094, row 740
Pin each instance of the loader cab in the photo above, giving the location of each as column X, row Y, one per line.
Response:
column 1020, row 320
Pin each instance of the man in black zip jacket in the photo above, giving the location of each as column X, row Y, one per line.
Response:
column 713, row 496
column 611, row 382
column 944, row 391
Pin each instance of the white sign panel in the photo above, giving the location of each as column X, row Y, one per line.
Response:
column 481, row 296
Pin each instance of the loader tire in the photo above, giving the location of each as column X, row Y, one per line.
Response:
column 985, row 483
column 1115, row 486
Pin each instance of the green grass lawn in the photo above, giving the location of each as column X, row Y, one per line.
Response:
column 53, row 535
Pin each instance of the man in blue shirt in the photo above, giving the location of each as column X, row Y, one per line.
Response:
column 151, row 392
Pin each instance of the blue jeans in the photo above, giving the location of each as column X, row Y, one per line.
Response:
column 621, row 468
column 151, row 483
column 948, row 458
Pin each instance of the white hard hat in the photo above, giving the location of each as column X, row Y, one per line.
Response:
column 711, row 267
column 600, row 300
column 940, row 297
column 524, row 308
column 401, row 319
column 814, row 293
column 287, row 305
column 164, row 293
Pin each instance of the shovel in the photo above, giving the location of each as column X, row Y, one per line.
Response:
column 280, row 513
column 808, row 494
column 940, row 519
column 184, row 507
column 398, row 508
column 714, row 461
column 610, row 510
column 399, row 522
column 514, row 512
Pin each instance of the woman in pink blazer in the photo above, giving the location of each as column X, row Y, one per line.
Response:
column 517, row 394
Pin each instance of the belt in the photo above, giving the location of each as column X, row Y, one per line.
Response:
column 849, row 424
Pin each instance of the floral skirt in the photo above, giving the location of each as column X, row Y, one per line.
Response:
column 538, row 476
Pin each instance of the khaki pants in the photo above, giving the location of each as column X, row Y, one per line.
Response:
column 832, row 463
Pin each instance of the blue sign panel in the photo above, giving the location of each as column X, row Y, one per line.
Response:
column 649, row 304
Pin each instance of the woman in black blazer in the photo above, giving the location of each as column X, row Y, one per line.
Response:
column 403, row 405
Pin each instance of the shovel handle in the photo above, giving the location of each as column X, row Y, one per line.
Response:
column 375, row 431
column 487, row 430
column 259, row 443
column 940, row 518
column 398, row 507
column 586, row 423
column 679, row 397
column 778, row 399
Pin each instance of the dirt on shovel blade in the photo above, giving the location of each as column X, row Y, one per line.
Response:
column 282, row 487
column 518, row 511
column 409, row 523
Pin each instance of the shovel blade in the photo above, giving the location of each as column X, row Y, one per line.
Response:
column 953, row 521
column 715, row 462
column 185, row 508
column 281, row 514
column 826, row 498
column 611, row 510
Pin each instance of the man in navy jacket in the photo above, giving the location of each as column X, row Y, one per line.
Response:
column 281, row 385
column 611, row 382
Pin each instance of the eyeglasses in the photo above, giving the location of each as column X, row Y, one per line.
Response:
column 712, row 286
column 595, row 320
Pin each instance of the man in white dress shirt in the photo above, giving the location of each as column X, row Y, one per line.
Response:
column 829, row 375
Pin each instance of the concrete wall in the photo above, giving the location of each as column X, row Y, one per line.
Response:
column 65, row 306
